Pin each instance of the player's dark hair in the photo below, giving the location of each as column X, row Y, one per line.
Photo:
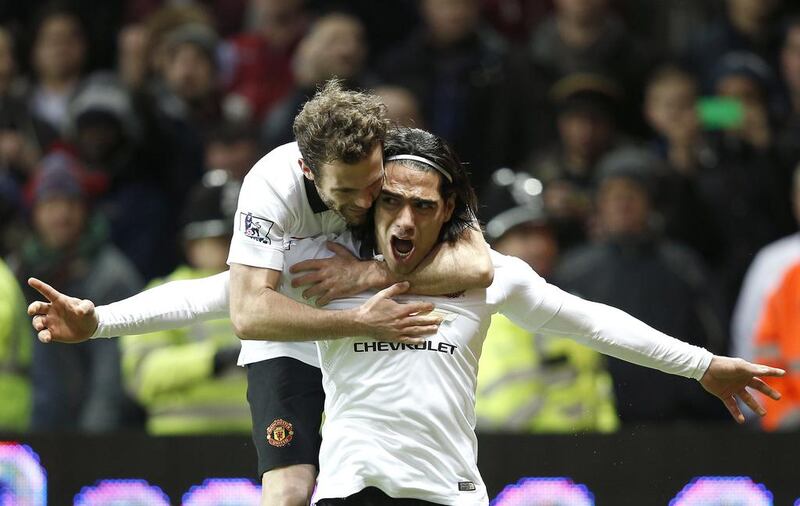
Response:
column 339, row 125
column 417, row 142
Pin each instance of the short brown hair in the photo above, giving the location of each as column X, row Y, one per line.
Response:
column 339, row 125
column 670, row 72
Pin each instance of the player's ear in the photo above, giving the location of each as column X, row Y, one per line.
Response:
column 306, row 169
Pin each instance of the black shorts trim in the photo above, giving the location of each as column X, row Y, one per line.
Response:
column 286, row 403
column 372, row 496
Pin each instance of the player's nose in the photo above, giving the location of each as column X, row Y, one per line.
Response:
column 405, row 218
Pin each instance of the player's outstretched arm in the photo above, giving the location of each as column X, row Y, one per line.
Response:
column 62, row 318
column 538, row 306
column 448, row 268
column 66, row 319
column 259, row 312
column 729, row 379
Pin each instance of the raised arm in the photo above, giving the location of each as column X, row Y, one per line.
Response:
column 70, row 320
column 259, row 312
column 538, row 306
column 448, row 268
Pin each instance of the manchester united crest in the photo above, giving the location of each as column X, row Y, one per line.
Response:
column 280, row 433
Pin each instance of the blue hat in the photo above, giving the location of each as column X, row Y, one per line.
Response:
column 746, row 64
column 58, row 177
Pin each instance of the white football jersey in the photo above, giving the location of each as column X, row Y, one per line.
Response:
column 277, row 204
column 402, row 417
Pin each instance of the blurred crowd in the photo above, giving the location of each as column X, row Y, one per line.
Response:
column 639, row 153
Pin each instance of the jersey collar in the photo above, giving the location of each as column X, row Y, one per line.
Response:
column 314, row 200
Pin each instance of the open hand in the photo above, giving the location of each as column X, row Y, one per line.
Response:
column 728, row 378
column 386, row 320
column 62, row 319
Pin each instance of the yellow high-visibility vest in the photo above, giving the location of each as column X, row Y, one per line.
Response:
column 535, row 383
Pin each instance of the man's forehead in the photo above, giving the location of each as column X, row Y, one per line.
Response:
column 357, row 175
column 411, row 182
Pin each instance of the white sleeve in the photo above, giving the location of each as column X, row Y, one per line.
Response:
column 536, row 305
column 165, row 307
column 261, row 220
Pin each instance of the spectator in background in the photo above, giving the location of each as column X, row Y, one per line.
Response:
column 670, row 107
column 58, row 58
column 744, row 190
column 788, row 146
column 402, row 107
column 174, row 142
column 75, row 387
column 531, row 382
column 631, row 267
column 233, row 148
column 777, row 343
column 333, row 47
column 764, row 275
column 257, row 64
column 515, row 19
column 228, row 15
column 187, row 379
column 164, row 21
column 16, row 344
column 671, row 110
column 746, row 25
column 586, row 36
column 748, row 79
column 12, row 225
column 668, row 25
column 586, row 118
column 472, row 89
column 22, row 136
column 108, row 135
column 189, row 78
column 132, row 44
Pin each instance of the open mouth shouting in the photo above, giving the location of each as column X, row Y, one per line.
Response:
column 402, row 248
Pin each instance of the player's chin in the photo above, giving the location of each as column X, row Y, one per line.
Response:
column 353, row 217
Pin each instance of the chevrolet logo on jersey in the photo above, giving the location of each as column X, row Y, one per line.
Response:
column 384, row 346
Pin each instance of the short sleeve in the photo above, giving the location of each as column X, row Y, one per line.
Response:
column 262, row 217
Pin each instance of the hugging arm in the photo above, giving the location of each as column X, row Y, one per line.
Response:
column 448, row 268
column 259, row 312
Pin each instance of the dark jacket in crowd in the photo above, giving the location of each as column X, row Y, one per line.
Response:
column 708, row 46
column 665, row 286
column 473, row 93
column 747, row 199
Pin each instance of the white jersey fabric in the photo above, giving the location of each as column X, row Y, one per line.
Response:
column 401, row 418
column 277, row 205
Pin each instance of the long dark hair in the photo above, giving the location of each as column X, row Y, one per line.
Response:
column 414, row 141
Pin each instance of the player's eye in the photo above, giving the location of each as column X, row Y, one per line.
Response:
column 388, row 200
